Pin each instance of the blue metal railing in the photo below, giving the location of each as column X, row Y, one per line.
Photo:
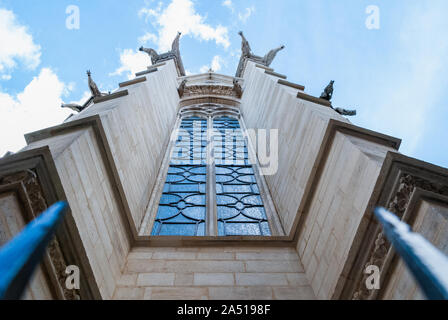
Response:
column 428, row 265
column 20, row 257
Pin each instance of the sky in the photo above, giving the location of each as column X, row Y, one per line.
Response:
column 389, row 58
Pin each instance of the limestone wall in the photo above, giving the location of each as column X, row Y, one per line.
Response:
column 138, row 127
column 236, row 273
column 337, row 207
column 11, row 223
column 266, row 104
column 93, row 204
column 138, row 132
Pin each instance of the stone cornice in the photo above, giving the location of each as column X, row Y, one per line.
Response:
column 275, row 74
column 131, row 82
column 307, row 97
column 290, row 84
column 111, row 96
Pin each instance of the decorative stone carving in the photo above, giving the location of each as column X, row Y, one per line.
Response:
column 328, row 92
column 246, row 54
column 216, row 90
column 328, row 95
column 173, row 54
column 237, row 89
column 181, row 88
column 95, row 94
column 398, row 206
column 345, row 112
column 38, row 204
column 73, row 106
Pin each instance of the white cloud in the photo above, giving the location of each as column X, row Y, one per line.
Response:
column 17, row 44
column 148, row 36
column 246, row 15
column 85, row 96
column 204, row 69
column 228, row 4
column 181, row 16
column 132, row 62
column 216, row 65
column 37, row 106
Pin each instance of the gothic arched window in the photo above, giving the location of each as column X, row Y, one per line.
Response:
column 211, row 187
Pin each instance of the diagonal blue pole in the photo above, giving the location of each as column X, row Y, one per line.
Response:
column 428, row 265
column 20, row 256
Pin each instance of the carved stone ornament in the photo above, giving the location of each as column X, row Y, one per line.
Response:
column 93, row 90
column 38, row 204
column 398, row 206
column 173, row 54
column 215, row 90
column 246, row 54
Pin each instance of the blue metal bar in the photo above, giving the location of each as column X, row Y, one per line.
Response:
column 20, row 256
column 428, row 265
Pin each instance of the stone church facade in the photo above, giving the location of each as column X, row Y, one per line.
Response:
column 143, row 226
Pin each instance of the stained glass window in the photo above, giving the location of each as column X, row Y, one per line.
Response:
column 240, row 207
column 182, row 207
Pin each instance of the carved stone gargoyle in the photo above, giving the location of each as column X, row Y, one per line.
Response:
column 247, row 54
column 345, row 112
column 173, row 54
column 181, row 88
column 328, row 95
column 328, row 92
column 237, row 89
column 93, row 90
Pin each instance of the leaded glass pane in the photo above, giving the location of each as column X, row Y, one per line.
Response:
column 182, row 207
column 240, row 207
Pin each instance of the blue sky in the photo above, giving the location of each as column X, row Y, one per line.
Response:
column 395, row 76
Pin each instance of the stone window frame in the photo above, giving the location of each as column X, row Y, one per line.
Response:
column 210, row 111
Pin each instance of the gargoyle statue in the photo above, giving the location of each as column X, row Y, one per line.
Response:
column 93, row 87
column 155, row 57
column 73, row 106
column 237, row 89
column 181, row 88
column 345, row 112
column 93, row 90
column 247, row 52
column 328, row 92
